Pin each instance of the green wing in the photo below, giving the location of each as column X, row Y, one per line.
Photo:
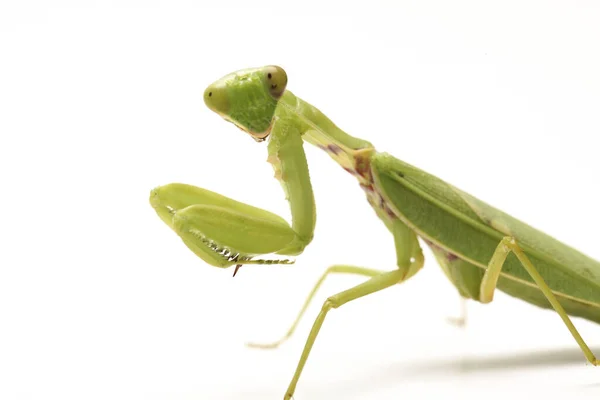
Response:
column 471, row 229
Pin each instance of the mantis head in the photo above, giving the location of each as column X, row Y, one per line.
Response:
column 248, row 98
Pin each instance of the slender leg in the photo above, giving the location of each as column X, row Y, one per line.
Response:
column 460, row 321
column 490, row 280
column 409, row 259
column 334, row 269
column 373, row 285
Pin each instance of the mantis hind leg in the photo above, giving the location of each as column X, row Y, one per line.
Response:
column 490, row 281
column 460, row 321
column 334, row 269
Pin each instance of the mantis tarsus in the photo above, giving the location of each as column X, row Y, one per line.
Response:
column 478, row 247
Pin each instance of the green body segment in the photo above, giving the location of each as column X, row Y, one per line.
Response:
column 316, row 128
column 464, row 232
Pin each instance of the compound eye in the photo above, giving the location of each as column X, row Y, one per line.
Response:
column 215, row 97
column 276, row 79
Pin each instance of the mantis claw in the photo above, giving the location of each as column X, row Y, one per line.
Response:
column 237, row 267
column 221, row 231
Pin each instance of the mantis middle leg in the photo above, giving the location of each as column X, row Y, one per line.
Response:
column 409, row 259
column 373, row 285
column 490, row 281
column 334, row 269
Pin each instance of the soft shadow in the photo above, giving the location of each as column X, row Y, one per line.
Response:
column 534, row 359
column 354, row 387
column 432, row 369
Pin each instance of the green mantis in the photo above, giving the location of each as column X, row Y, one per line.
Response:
column 479, row 248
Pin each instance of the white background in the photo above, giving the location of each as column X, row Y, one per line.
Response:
column 101, row 101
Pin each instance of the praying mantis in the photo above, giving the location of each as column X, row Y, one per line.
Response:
column 479, row 248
